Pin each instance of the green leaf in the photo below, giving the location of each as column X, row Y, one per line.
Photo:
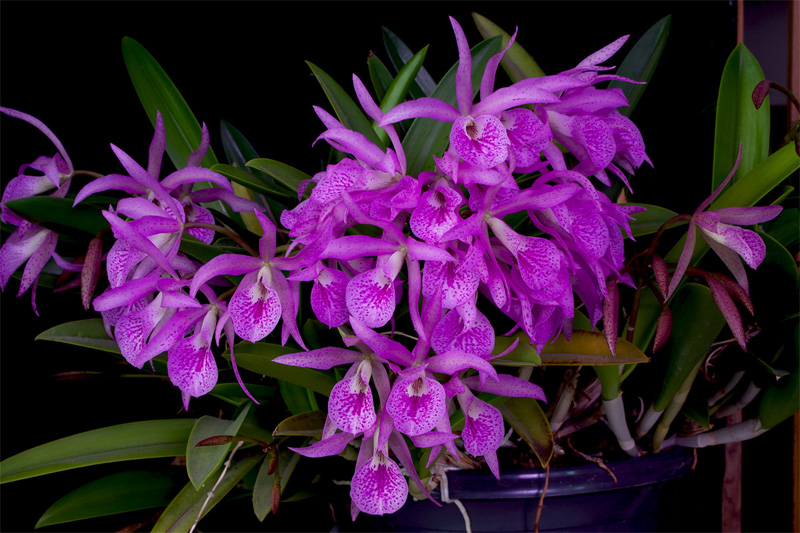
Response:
column 589, row 348
column 124, row 442
column 238, row 149
column 203, row 461
column 58, row 213
column 646, row 319
column 258, row 358
column 89, row 333
column 297, row 399
column 398, row 89
column 379, row 75
column 759, row 181
column 118, row 493
column 647, row 222
column 737, row 120
column 522, row 355
column 426, row 136
column 233, row 393
column 182, row 512
column 641, row 62
column 347, row 111
column 525, row 415
column 200, row 250
column 784, row 227
column 265, row 482
column 287, row 175
column 399, row 55
column 517, row 62
column 781, row 399
column 696, row 323
column 251, row 181
column 308, row 424
column 157, row 93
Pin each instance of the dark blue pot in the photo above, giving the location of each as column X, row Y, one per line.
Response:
column 580, row 498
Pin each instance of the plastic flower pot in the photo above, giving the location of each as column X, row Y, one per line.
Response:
column 578, row 498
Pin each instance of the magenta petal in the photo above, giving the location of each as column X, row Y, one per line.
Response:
column 328, row 297
column 513, row 96
column 194, row 175
column 455, row 360
column 255, row 309
column 604, row 53
column 335, row 180
column 350, row 247
column 370, row 297
column 421, row 107
column 191, row 366
column 747, row 216
column 729, row 311
column 686, row 257
column 483, row 428
column 435, row 214
column 464, row 70
column 456, row 285
column 507, row 385
column 323, row 358
column 333, row 445
column 453, row 333
column 481, row 140
column 38, row 124
column 350, row 405
column 416, row 405
column 132, row 329
column 378, row 486
column 17, row 249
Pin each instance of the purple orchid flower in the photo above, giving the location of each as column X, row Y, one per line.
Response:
column 720, row 230
column 30, row 243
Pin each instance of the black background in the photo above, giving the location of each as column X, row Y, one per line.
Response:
column 243, row 62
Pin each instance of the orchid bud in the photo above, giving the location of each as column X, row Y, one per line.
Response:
column 663, row 329
column 91, row 271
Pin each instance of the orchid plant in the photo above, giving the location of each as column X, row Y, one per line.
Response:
column 461, row 237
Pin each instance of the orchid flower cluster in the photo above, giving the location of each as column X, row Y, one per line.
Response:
column 372, row 239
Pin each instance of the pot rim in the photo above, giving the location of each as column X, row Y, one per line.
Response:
column 570, row 480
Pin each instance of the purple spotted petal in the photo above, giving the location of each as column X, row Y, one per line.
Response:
column 336, row 179
column 457, row 285
column 729, row 311
column 527, row 134
column 507, row 385
column 191, row 367
column 328, row 297
column 435, row 214
column 333, row 445
column 540, row 266
column 455, row 360
column 195, row 213
column 18, row 248
column 255, row 309
column 686, row 257
column 747, row 216
column 378, row 486
column 744, row 242
column 133, row 329
column 481, row 140
column 36, row 262
column 323, row 358
column 370, row 297
column 483, row 428
column 350, row 405
column 416, row 405
column 453, row 333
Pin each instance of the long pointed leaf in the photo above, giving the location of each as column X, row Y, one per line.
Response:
column 399, row 55
column 641, row 62
column 118, row 493
column 251, row 181
column 347, row 111
column 125, row 442
column 58, row 213
column 203, row 461
column 525, row 415
column 184, row 510
column 379, row 75
column 287, row 175
column 737, row 120
column 265, row 482
column 157, row 93
column 517, row 62
column 88, row 333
